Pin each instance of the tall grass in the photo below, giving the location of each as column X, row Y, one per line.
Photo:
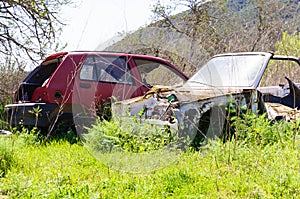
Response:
column 2, row 120
column 129, row 135
column 6, row 156
column 261, row 161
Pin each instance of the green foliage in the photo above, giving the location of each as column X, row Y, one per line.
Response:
column 130, row 135
column 68, row 136
column 289, row 44
column 252, row 129
column 260, row 161
column 36, row 112
column 277, row 70
column 39, row 171
column 6, row 156
column 104, row 109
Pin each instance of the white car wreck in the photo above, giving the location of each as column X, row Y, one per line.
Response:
column 236, row 82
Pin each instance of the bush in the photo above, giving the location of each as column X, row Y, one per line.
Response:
column 252, row 129
column 130, row 135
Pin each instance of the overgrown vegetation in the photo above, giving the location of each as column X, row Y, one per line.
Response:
column 129, row 135
column 259, row 130
column 260, row 162
column 2, row 122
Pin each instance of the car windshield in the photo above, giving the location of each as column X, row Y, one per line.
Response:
column 229, row 71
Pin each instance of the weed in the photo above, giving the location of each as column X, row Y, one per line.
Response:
column 36, row 112
column 263, row 164
column 130, row 135
column 252, row 129
column 6, row 156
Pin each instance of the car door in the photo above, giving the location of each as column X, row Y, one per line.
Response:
column 106, row 77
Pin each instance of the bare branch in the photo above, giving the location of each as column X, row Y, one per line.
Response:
column 29, row 27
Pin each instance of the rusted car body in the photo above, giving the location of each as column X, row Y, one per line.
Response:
column 240, row 81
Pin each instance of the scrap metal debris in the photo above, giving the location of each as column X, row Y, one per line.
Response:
column 278, row 111
column 5, row 133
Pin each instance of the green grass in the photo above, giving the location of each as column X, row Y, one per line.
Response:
column 241, row 168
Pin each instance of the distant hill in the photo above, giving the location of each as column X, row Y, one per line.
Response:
column 237, row 25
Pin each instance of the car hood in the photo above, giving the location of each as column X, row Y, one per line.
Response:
column 164, row 96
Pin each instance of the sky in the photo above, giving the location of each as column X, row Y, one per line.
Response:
column 93, row 22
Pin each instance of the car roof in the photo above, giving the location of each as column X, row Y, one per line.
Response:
column 110, row 53
column 61, row 54
column 243, row 53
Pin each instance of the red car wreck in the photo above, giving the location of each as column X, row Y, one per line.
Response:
column 84, row 81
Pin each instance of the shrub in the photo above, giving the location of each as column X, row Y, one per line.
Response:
column 252, row 129
column 129, row 135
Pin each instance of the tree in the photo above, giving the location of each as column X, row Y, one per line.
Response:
column 198, row 21
column 29, row 28
column 188, row 32
column 277, row 71
column 227, row 25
